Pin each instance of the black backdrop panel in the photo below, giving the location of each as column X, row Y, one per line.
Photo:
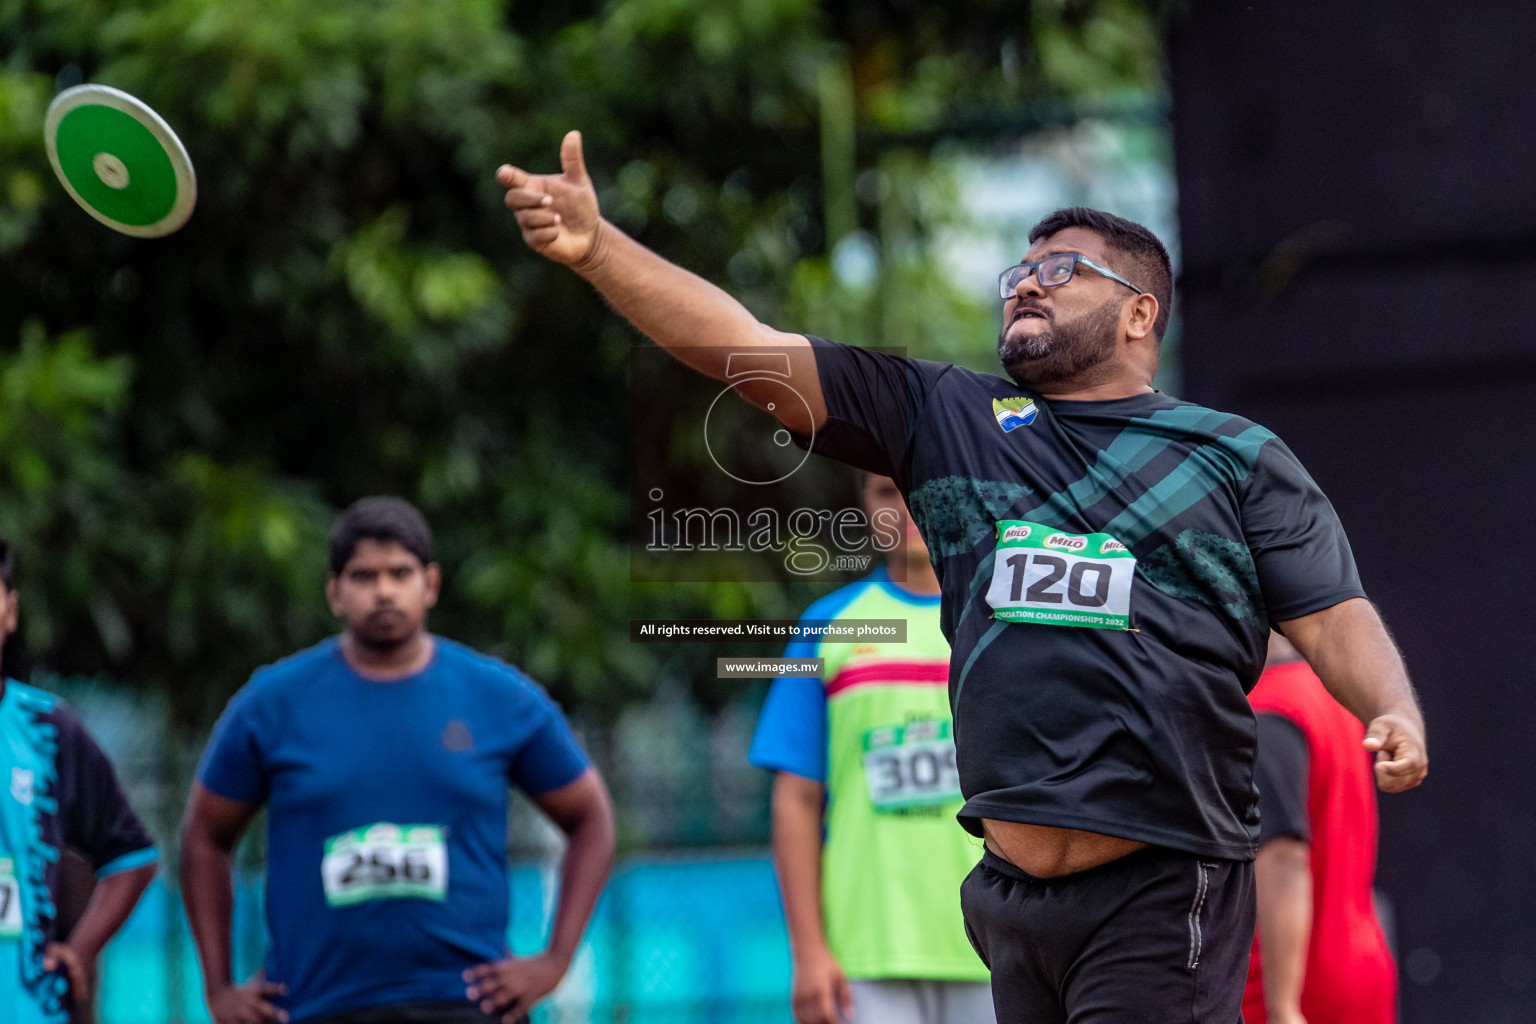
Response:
column 1359, row 237
column 1344, row 333
column 1435, row 489
column 1361, row 326
column 1361, row 124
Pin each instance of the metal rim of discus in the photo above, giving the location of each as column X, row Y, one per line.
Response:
column 120, row 161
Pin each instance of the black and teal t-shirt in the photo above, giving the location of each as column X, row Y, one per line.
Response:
column 58, row 792
column 1110, row 571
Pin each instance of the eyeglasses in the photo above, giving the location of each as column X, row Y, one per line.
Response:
column 1053, row 272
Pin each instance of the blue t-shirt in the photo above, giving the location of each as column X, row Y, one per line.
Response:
column 333, row 754
column 58, row 792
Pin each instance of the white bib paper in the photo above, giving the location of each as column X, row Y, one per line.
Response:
column 911, row 765
column 1048, row 576
column 385, row 861
column 10, row 900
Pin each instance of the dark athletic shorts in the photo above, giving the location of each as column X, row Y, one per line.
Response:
column 1155, row 937
column 413, row 1013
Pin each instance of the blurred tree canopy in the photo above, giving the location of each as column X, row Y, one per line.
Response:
column 350, row 310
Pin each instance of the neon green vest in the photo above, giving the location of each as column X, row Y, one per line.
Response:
column 894, row 855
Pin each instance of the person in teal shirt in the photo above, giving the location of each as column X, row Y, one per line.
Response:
column 57, row 792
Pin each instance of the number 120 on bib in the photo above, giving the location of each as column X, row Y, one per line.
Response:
column 1047, row 576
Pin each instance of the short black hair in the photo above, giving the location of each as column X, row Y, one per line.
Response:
column 1150, row 268
column 7, row 563
column 383, row 519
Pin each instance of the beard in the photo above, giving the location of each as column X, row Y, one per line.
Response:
column 1063, row 350
column 383, row 633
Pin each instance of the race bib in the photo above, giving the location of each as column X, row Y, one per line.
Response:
column 385, row 862
column 1045, row 575
column 911, row 765
column 10, row 900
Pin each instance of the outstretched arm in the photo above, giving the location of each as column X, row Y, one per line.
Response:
column 1349, row 649
column 683, row 313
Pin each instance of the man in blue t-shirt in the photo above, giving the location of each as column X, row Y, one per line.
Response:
column 384, row 757
column 58, row 795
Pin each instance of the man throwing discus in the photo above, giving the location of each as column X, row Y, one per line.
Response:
column 1111, row 561
column 384, row 757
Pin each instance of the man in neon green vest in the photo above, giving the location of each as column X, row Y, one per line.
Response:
column 865, row 759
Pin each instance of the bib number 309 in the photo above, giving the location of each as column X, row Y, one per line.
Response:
column 1044, row 575
column 911, row 765
column 385, row 861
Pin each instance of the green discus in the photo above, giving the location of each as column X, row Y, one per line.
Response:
column 120, row 161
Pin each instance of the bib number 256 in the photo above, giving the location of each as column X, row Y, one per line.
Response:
column 385, row 861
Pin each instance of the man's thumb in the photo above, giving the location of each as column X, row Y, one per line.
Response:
column 1377, row 735
column 571, row 161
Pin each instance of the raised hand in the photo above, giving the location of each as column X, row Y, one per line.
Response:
column 557, row 213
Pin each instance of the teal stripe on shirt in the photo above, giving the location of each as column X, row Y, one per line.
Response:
column 1205, row 469
column 128, row 861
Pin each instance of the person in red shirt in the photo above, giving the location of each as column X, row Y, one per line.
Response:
column 1324, row 955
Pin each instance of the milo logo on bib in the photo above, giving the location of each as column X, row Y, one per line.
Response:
column 1050, row 577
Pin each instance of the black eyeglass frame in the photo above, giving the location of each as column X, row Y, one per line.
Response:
column 1006, row 290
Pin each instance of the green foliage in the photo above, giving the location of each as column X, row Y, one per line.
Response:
column 1096, row 46
column 350, row 310
column 57, row 471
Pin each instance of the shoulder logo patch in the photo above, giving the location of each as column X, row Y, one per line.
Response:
column 457, row 737
column 22, row 786
column 1013, row 413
